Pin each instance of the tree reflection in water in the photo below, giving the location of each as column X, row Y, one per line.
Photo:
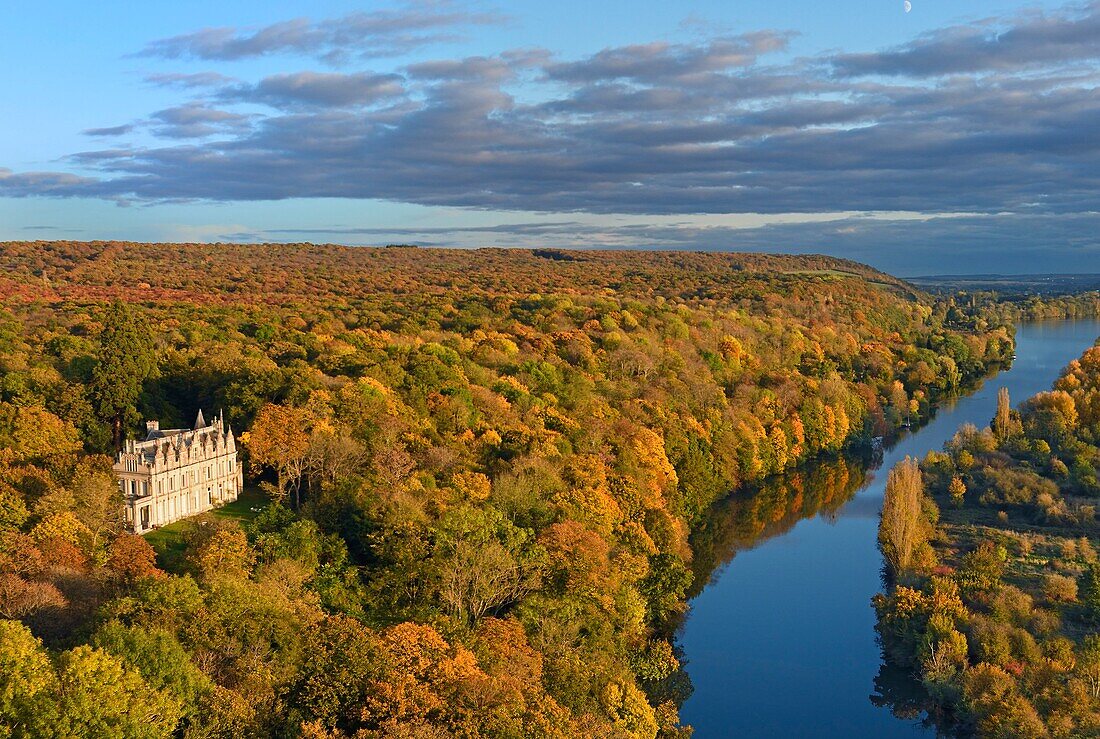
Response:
column 747, row 518
column 898, row 690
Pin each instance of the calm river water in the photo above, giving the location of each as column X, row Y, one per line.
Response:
column 781, row 640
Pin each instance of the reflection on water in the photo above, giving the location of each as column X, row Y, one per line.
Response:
column 898, row 691
column 780, row 639
column 747, row 518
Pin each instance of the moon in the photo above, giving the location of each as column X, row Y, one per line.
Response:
column 908, row 6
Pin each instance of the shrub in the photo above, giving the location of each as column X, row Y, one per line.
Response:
column 1012, row 605
column 1085, row 549
column 1044, row 622
column 990, row 641
column 1059, row 589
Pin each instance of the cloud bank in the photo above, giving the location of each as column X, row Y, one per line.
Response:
column 998, row 116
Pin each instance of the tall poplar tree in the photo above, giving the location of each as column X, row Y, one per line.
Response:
column 127, row 358
column 1003, row 419
column 899, row 532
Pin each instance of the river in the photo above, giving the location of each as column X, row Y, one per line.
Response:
column 781, row 642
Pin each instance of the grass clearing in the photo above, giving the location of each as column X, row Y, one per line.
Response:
column 170, row 541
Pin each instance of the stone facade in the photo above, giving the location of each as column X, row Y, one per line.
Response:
column 176, row 473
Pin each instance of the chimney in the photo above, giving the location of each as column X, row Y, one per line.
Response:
column 152, row 426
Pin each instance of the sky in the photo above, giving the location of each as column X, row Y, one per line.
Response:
column 935, row 141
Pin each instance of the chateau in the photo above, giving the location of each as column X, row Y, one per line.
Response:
column 175, row 473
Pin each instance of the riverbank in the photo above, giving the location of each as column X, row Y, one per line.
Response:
column 998, row 616
column 781, row 641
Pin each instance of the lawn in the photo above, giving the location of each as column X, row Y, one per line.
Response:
column 170, row 541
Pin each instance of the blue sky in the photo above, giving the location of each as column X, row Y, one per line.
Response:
column 919, row 142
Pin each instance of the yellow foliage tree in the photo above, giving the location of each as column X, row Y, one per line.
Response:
column 900, row 528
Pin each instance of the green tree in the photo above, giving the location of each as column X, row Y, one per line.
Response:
column 98, row 696
column 1089, row 592
column 126, row 359
column 665, row 588
column 341, row 660
column 13, row 510
column 484, row 562
column 161, row 660
column 1088, row 663
column 97, row 501
column 87, row 693
column 27, row 680
column 982, row 569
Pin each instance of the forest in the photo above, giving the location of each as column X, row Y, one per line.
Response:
column 474, row 476
column 994, row 597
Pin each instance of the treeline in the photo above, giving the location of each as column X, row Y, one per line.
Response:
column 286, row 273
column 1013, row 308
column 991, row 550
column 484, row 468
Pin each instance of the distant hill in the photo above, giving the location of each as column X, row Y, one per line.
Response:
column 1011, row 284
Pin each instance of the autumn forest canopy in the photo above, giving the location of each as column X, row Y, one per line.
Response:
column 472, row 475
